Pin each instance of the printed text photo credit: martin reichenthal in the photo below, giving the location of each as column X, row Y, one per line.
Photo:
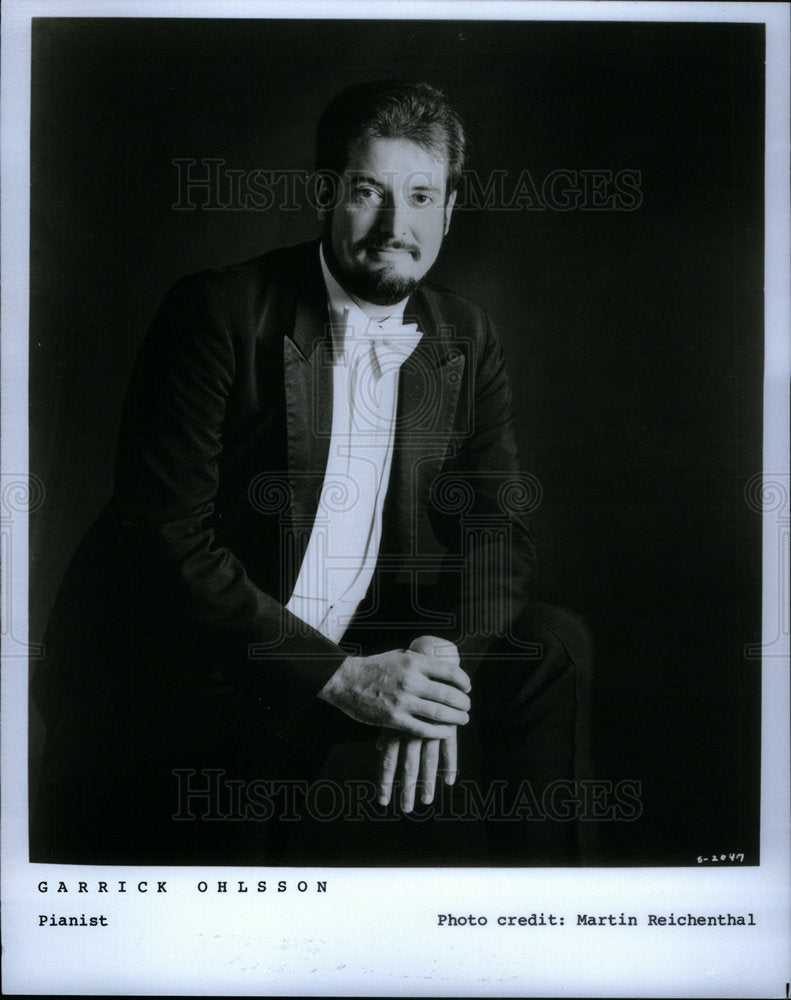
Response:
column 290, row 603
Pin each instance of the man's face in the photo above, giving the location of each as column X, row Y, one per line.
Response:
column 389, row 219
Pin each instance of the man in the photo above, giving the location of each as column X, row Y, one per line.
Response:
column 315, row 535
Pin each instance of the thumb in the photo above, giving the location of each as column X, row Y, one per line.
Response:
column 432, row 646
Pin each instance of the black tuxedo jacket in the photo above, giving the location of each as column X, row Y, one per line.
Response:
column 179, row 588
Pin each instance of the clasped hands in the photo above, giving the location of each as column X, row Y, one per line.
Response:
column 418, row 696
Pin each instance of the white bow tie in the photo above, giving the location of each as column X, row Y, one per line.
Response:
column 391, row 341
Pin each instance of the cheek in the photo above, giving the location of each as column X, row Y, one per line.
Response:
column 346, row 227
column 358, row 227
column 432, row 232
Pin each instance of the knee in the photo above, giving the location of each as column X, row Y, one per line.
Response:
column 554, row 629
column 547, row 657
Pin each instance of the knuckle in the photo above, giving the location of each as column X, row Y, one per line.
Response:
column 401, row 663
column 408, row 682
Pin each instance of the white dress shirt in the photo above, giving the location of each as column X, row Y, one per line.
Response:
column 341, row 554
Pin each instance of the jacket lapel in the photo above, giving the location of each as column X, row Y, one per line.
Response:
column 307, row 372
column 428, row 392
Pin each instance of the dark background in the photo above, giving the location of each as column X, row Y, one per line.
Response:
column 633, row 338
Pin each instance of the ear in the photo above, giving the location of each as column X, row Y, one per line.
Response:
column 326, row 195
column 448, row 209
column 322, row 199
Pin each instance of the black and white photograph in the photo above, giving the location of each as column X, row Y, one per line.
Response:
column 396, row 500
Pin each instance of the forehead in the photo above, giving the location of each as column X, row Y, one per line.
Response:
column 397, row 157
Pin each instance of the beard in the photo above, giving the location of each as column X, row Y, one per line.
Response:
column 382, row 286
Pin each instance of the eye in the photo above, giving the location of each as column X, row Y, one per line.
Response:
column 421, row 199
column 365, row 193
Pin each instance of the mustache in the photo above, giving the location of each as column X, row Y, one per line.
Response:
column 372, row 243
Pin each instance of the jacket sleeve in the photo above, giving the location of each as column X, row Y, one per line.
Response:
column 166, row 483
column 478, row 511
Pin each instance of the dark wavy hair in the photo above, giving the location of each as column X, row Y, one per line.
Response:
column 390, row 109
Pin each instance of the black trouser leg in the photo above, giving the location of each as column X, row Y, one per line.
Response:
column 531, row 700
column 295, row 759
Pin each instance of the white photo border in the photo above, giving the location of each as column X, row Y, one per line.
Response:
column 348, row 941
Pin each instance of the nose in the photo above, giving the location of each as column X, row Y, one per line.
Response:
column 394, row 217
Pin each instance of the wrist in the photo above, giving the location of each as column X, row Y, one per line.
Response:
column 335, row 685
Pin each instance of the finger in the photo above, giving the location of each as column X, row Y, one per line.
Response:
column 385, row 735
column 412, row 725
column 430, row 645
column 388, row 761
column 429, row 760
column 410, row 766
column 433, row 711
column 446, row 670
column 444, row 694
column 449, row 767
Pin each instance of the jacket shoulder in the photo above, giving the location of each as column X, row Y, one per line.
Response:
column 455, row 316
column 244, row 297
column 447, row 298
column 282, row 265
